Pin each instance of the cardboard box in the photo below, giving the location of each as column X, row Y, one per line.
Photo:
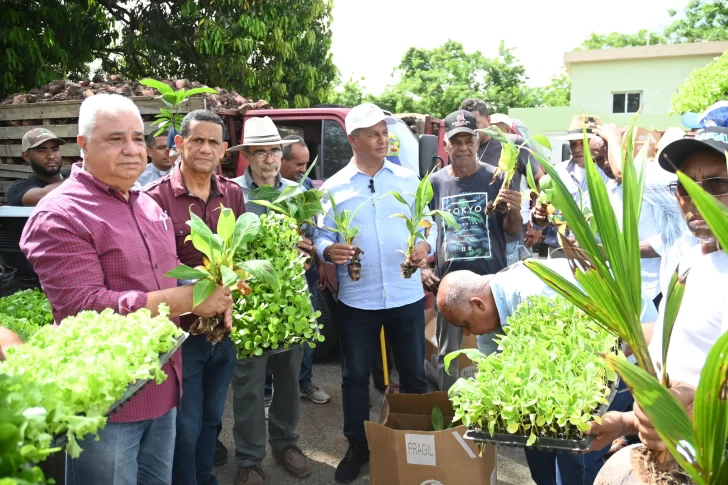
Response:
column 404, row 450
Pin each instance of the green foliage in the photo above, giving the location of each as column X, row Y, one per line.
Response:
column 349, row 93
column 14, row 457
column 702, row 20
column 66, row 378
column 219, row 251
column 698, row 446
column 419, row 217
column 49, row 39
column 617, row 40
column 548, row 379
column 271, row 317
column 32, row 305
column 173, row 100
column 249, row 46
column 704, row 87
column 606, row 262
column 293, row 201
column 558, row 93
column 436, row 81
column 438, row 420
column 343, row 221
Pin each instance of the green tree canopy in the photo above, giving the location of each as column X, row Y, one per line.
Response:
column 435, row 81
column 349, row 93
column 701, row 20
column 704, row 87
column 275, row 50
column 558, row 93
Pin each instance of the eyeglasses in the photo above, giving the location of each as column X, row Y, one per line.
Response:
column 261, row 155
column 712, row 185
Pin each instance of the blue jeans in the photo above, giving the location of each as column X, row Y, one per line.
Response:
column 564, row 468
column 206, row 374
column 138, row 453
column 359, row 329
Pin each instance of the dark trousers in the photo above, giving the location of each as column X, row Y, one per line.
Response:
column 564, row 468
column 206, row 374
column 359, row 330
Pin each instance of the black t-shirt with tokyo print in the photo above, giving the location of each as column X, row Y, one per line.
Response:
column 479, row 244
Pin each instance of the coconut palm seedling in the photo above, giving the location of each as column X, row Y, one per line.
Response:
column 174, row 100
column 219, row 265
column 419, row 218
column 343, row 227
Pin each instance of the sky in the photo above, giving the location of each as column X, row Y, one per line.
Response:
column 370, row 36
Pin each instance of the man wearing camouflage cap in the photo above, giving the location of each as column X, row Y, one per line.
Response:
column 41, row 149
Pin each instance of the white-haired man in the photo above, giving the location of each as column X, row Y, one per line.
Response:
column 95, row 244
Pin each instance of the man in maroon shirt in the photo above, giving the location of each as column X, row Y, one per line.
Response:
column 95, row 245
column 207, row 368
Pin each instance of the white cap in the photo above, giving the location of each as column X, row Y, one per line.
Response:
column 366, row 115
column 500, row 118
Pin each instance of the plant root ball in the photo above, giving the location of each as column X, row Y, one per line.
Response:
column 633, row 466
column 407, row 269
column 492, row 208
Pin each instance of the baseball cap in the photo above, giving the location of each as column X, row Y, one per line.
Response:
column 716, row 115
column 500, row 118
column 460, row 121
column 366, row 115
column 713, row 138
column 37, row 137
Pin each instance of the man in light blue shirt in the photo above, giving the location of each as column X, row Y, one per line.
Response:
column 161, row 160
column 381, row 296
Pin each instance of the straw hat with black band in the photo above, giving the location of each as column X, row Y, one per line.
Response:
column 580, row 124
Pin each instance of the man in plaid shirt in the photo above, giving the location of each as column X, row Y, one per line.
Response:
column 95, row 244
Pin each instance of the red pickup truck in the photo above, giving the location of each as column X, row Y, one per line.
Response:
column 323, row 130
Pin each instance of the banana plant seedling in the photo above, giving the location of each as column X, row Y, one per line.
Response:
column 343, row 227
column 174, row 100
column 418, row 219
column 219, row 267
column 293, row 201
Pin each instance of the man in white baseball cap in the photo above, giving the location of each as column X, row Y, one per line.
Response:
column 380, row 296
column 502, row 121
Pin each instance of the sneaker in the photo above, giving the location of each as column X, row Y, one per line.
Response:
column 314, row 394
column 221, row 454
column 250, row 475
column 294, row 461
column 267, row 401
column 348, row 469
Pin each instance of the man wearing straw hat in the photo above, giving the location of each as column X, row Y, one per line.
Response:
column 262, row 147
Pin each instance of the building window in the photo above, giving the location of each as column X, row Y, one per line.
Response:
column 626, row 102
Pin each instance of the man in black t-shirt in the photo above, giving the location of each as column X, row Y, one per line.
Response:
column 464, row 189
column 41, row 149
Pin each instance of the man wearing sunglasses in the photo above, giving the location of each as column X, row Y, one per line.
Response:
column 703, row 315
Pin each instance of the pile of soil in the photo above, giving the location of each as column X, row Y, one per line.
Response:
column 61, row 90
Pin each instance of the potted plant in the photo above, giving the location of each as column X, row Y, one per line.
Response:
column 343, row 227
column 547, row 383
column 274, row 315
column 174, row 100
column 219, row 264
column 419, row 218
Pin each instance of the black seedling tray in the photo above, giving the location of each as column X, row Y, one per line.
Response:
column 575, row 445
column 131, row 391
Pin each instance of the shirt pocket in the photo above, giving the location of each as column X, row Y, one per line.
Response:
column 163, row 229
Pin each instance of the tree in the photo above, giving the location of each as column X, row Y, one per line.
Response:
column 51, row 39
column 558, row 93
column 704, row 87
column 275, row 50
column 435, row 81
column 349, row 94
column 615, row 40
column 703, row 20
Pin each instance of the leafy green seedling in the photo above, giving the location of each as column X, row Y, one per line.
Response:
column 419, row 218
column 219, row 265
column 343, row 227
column 174, row 100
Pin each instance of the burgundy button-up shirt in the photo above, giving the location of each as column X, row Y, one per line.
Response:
column 174, row 198
column 93, row 250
